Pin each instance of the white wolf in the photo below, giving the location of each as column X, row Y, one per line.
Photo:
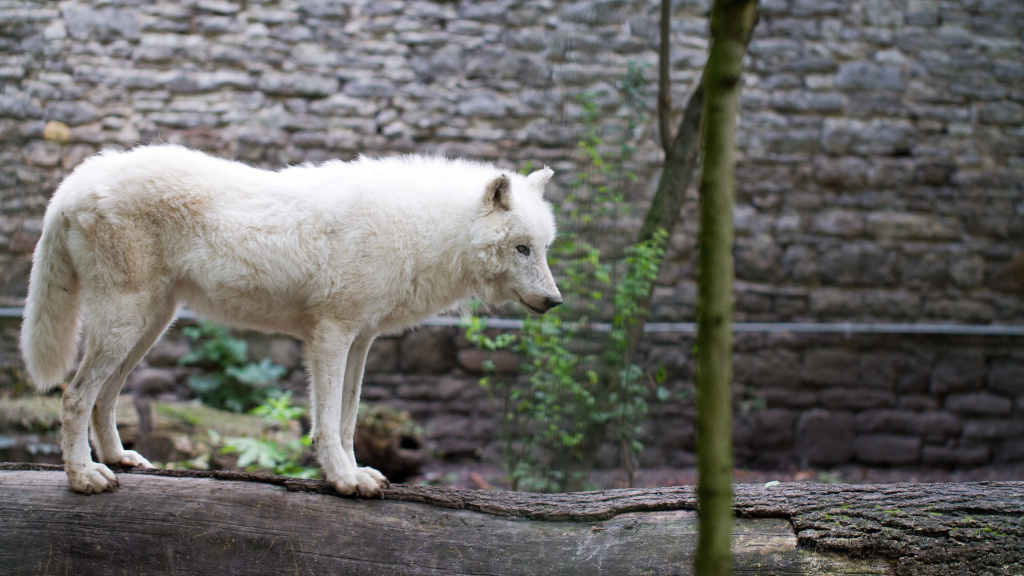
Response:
column 332, row 254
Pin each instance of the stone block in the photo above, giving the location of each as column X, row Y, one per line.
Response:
column 959, row 372
column 774, row 429
column 383, row 356
column 775, row 369
column 1010, row 451
column 890, row 421
column 166, row 352
column 870, row 76
column 891, row 172
column 802, row 101
column 913, row 226
column 789, row 398
column 838, row 222
column 955, row 456
column 42, row 153
column 888, row 449
column 325, row 9
column 935, row 425
column 187, row 120
column 934, row 174
column 1006, row 376
column 894, row 371
column 488, row 105
column 153, row 381
column 454, row 388
column 102, row 24
column 298, row 84
column 919, row 402
column 369, row 88
column 418, row 390
column 831, row 368
column 474, row 360
column 1000, row 113
column 980, row 403
column 427, row 351
column 824, row 438
column 960, row 310
column 594, row 12
column 71, row 113
column 758, row 259
column 967, row 272
column 18, row 106
column 854, row 399
column 859, row 264
column 841, row 136
column 298, row 384
column 993, row 429
column 829, row 303
column 743, row 429
column 789, row 307
column 891, row 304
column 926, row 271
column 681, row 459
column 286, row 352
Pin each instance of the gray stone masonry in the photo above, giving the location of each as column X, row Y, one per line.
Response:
column 880, row 178
column 891, row 411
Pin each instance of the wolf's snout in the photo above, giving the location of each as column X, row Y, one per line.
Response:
column 550, row 303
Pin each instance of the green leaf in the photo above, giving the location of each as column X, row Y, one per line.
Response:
column 662, row 393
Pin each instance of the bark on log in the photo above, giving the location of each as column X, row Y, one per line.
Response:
column 231, row 523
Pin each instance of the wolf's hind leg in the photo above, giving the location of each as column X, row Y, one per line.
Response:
column 114, row 324
column 106, row 440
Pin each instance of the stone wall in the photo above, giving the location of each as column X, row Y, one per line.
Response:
column 801, row 399
column 881, row 144
column 880, row 177
column 818, row 400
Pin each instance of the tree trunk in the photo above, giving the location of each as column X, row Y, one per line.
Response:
column 731, row 24
column 232, row 523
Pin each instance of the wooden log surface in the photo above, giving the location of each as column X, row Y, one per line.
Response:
column 231, row 523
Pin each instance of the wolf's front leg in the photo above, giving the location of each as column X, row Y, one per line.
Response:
column 350, row 403
column 327, row 353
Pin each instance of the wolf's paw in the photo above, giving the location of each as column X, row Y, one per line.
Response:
column 382, row 481
column 92, row 478
column 134, row 459
column 358, row 483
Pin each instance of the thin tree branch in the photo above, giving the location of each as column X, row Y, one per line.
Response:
column 664, row 80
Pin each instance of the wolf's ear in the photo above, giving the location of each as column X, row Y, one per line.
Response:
column 496, row 195
column 539, row 178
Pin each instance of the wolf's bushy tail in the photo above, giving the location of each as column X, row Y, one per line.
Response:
column 49, row 331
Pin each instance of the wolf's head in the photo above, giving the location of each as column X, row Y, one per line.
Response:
column 512, row 235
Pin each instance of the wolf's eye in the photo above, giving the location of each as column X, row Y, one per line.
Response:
column 523, row 249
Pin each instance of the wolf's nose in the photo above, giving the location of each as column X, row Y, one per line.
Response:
column 550, row 303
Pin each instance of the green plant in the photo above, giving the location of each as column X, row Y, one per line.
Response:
column 230, row 381
column 580, row 387
column 277, row 449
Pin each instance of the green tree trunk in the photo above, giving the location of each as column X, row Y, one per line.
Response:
column 731, row 24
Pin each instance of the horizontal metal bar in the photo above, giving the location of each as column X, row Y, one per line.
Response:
column 790, row 327
column 738, row 327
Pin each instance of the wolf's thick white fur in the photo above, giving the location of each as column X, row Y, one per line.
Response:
column 332, row 254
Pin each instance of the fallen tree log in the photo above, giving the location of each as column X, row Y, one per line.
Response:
column 231, row 523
